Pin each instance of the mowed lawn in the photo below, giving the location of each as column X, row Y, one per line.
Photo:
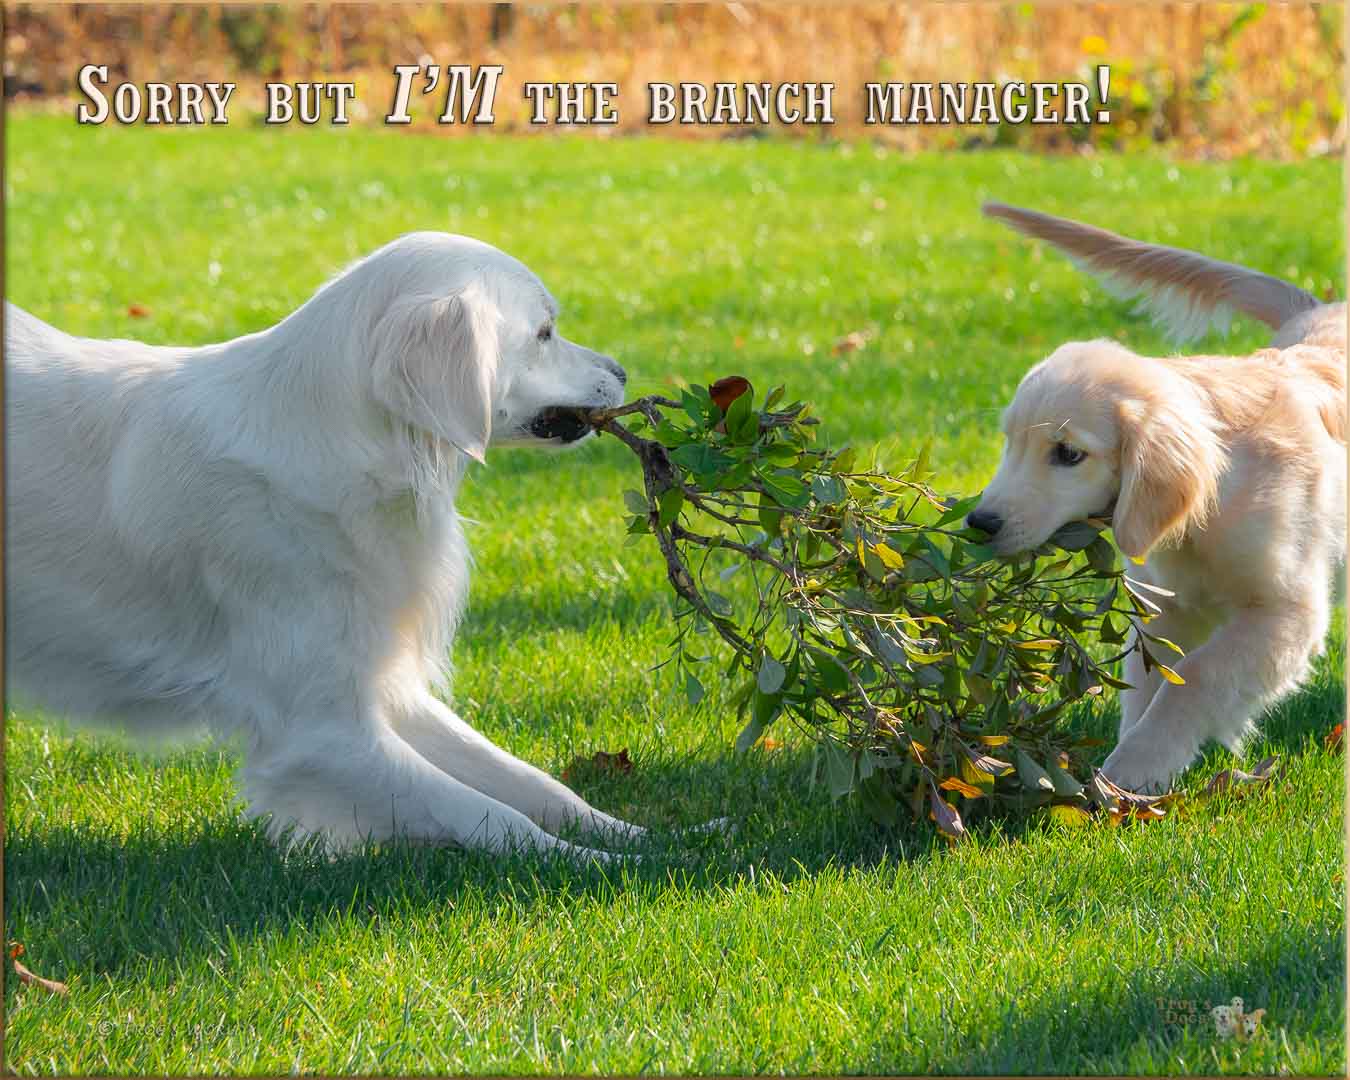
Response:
column 808, row 941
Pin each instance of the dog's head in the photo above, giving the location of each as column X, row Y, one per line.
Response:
column 1096, row 431
column 465, row 347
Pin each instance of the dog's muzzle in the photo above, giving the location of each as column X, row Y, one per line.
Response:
column 566, row 423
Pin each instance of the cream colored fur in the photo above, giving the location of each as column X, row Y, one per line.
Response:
column 1226, row 475
column 260, row 538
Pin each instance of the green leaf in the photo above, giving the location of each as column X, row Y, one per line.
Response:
column 828, row 490
column 701, row 459
column 669, row 436
column 742, row 421
column 698, row 406
column 839, row 769
column 1031, row 774
column 1101, row 556
column 771, row 675
column 693, row 689
column 921, row 463
column 636, row 502
column 1076, row 535
column 749, row 735
column 765, row 707
column 1065, row 785
column 877, row 801
column 784, row 488
column 844, row 460
column 718, row 604
column 770, row 516
column 1109, row 632
column 958, row 510
column 670, row 502
column 832, row 674
column 780, row 454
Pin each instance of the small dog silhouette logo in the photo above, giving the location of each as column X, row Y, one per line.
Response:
column 1232, row 1021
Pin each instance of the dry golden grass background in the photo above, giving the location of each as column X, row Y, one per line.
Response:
column 1209, row 79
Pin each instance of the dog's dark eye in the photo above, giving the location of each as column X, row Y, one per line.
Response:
column 545, row 333
column 1064, row 454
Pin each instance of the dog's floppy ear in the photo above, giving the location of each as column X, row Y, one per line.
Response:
column 435, row 364
column 1170, row 462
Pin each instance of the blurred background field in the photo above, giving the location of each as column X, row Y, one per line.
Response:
column 1209, row 80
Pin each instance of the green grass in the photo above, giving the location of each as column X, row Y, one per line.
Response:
column 809, row 941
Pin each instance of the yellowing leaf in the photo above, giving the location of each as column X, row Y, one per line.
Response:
column 955, row 783
column 1074, row 817
column 1039, row 645
column 890, row 558
column 1170, row 675
column 975, row 776
column 994, row 740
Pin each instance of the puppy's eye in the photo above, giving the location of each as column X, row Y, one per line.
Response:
column 1064, row 454
column 545, row 333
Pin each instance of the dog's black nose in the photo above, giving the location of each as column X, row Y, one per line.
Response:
column 985, row 520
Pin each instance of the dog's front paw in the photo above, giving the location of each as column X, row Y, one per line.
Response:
column 1138, row 769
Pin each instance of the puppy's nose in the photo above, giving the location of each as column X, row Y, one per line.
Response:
column 985, row 520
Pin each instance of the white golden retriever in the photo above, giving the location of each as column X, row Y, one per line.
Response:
column 260, row 538
column 1225, row 474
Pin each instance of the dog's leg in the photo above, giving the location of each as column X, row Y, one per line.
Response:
column 438, row 735
column 366, row 783
column 1257, row 657
column 1188, row 631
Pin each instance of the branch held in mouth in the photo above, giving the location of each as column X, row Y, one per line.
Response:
column 855, row 603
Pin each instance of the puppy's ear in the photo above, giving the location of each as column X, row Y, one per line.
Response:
column 1170, row 461
column 435, row 364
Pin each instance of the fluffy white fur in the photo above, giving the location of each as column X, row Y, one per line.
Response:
column 1225, row 474
column 260, row 537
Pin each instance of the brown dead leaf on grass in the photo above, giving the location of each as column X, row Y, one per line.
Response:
column 1238, row 782
column 1335, row 740
column 28, row 978
column 601, row 763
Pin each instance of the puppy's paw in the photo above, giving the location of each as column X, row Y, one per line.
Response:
column 1138, row 770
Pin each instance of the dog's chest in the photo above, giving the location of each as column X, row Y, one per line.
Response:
column 1191, row 576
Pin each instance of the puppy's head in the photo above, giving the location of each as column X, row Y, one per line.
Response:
column 466, row 347
column 1096, row 431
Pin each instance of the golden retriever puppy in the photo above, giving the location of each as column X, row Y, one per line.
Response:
column 1224, row 475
